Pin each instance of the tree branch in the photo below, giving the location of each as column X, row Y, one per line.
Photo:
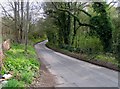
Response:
column 111, row 5
column 74, row 9
column 7, row 12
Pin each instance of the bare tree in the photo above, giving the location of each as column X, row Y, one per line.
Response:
column 20, row 13
column 21, row 26
column 15, row 16
column 27, row 26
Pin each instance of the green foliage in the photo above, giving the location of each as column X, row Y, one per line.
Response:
column 36, row 40
column 62, row 20
column 14, row 84
column 38, row 34
column 51, row 31
column 100, row 7
column 92, row 33
column 107, row 58
column 27, row 77
column 116, row 31
column 25, row 66
column 116, row 36
column 88, row 44
column 52, row 36
column 103, row 27
column 85, row 44
column 17, row 60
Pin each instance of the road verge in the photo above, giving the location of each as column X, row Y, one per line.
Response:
column 83, row 58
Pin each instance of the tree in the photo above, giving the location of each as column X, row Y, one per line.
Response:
column 63, row 13
column 27, row 26
column 117, row 50
column 15, row 16
column 22, row 21
column 103, row 25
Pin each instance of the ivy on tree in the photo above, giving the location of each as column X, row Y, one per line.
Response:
column 103, row 27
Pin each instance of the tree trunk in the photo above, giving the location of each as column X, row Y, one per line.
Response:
column 21, row 26
column 27, row 27
column 68, row 25
column 74, row 29
column 15, row 16
column 18, row 20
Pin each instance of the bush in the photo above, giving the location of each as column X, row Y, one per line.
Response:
column 86, row 44
column 89, row 44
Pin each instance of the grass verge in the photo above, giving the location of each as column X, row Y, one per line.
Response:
column 25, row 66
column 104, row 60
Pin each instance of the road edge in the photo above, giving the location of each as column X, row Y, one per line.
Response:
column 79, row 57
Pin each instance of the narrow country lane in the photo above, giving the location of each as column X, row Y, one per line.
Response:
column 71, row 72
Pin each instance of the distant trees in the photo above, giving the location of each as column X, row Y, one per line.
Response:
column 19, row 20
column 17, row 17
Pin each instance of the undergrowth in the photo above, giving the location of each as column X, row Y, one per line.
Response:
column 24, row 66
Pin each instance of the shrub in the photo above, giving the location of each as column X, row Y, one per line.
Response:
column 89, row 44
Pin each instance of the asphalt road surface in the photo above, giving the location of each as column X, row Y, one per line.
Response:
column 71, row 72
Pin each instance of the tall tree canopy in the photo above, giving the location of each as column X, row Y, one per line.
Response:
column 102, row 23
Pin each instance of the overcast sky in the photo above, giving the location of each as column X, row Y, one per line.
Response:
column 60, row 0
column 4, row 3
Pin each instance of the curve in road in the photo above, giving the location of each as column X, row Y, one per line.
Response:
column 71, row 72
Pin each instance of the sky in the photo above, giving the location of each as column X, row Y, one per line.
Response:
column 59, row 0
column 4, row 3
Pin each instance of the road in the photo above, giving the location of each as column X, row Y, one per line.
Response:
column 71, row 72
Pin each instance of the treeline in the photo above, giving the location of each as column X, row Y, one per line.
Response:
column 20, row 22
column 83, row 27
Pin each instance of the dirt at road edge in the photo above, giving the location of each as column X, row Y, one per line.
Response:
column 45, row 78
